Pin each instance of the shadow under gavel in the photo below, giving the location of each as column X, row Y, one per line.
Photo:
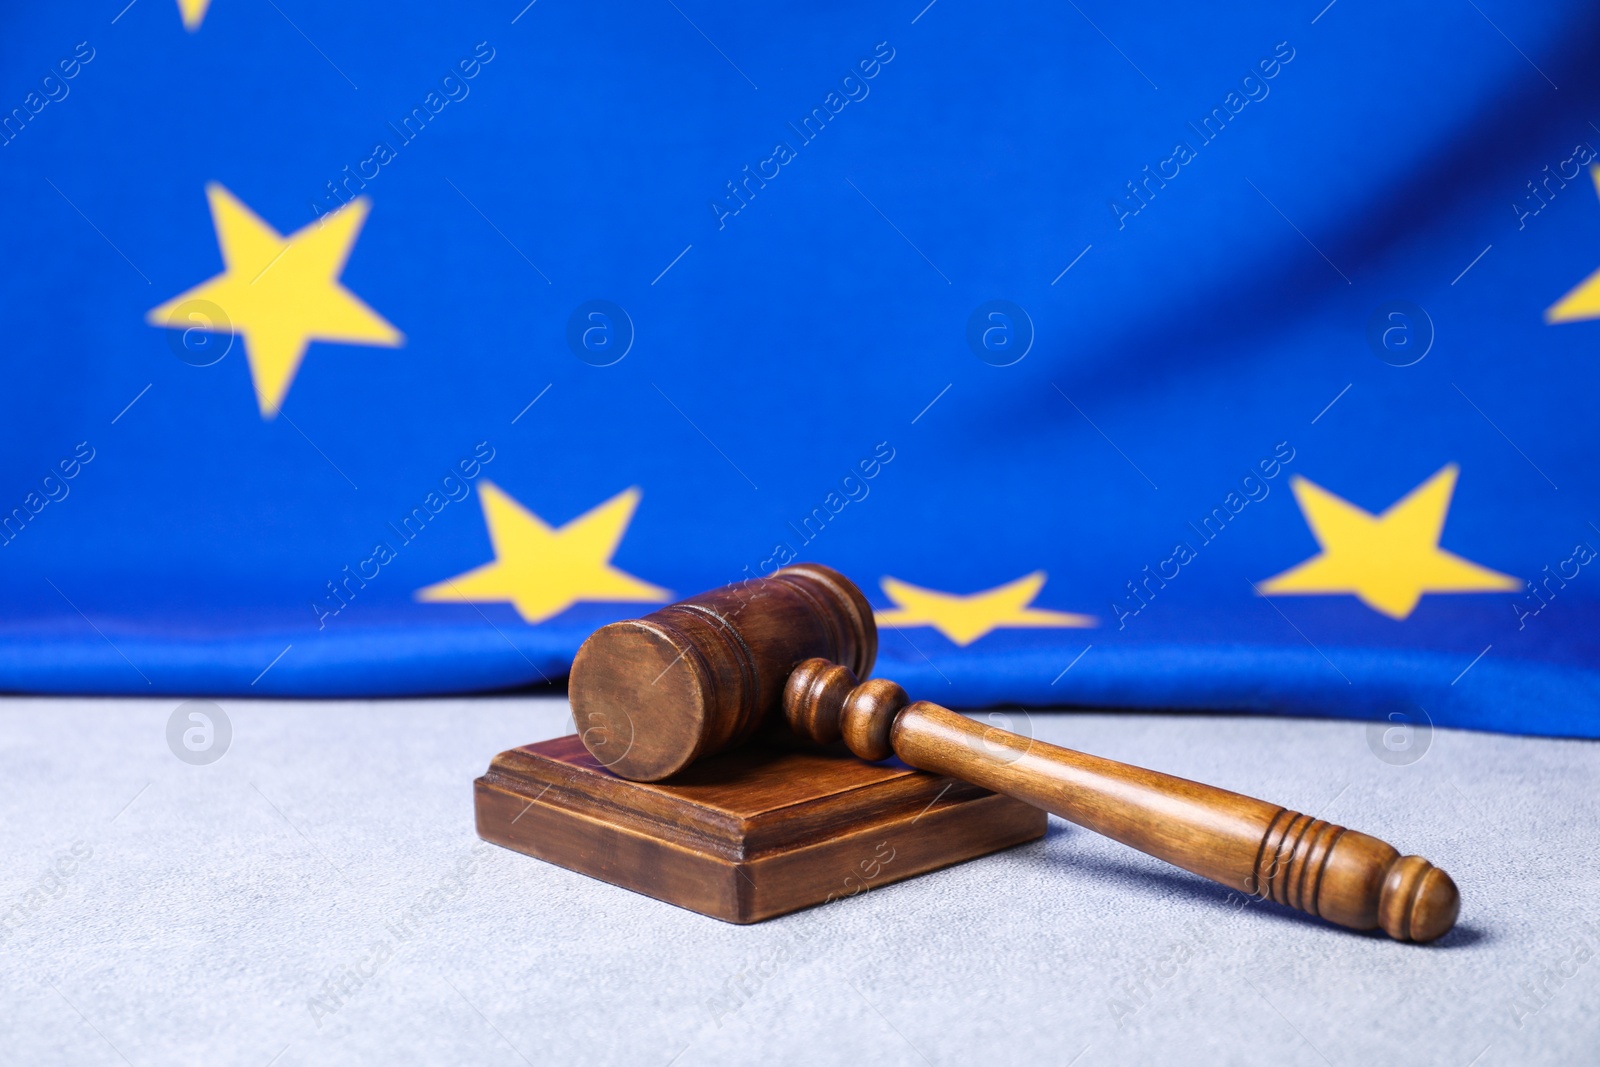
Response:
column 703, row 675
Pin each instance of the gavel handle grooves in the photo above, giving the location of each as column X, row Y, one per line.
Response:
column 1258, row 848
column 1261, row 849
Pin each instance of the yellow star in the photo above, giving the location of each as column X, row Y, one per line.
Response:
column 543, row 572
column 1583, row 302
column 1387, row 561
column 281, row 293
column 964, row 619
column 193, row 12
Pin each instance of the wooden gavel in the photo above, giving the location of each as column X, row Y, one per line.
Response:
column 703, row 675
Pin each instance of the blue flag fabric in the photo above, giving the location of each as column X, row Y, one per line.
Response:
column 1154, row 357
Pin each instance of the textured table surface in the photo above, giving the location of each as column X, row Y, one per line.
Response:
column 316, row 895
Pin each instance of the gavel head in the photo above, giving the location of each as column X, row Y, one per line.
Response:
column 652, row 695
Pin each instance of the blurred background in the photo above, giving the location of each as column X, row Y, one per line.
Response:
column 1215, row 359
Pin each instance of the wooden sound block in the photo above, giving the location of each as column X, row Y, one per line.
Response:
column 748, row 835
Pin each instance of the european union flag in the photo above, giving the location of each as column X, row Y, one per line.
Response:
column 1146, row 358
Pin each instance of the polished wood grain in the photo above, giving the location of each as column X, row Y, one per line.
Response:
column 652, row 695
column 758, row 832
column 1256, row 847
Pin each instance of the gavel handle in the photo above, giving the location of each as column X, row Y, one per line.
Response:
column 1258, row 848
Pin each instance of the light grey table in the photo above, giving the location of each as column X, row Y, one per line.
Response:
column 317, row 896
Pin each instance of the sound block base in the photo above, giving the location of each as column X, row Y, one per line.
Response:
column 748, row 835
